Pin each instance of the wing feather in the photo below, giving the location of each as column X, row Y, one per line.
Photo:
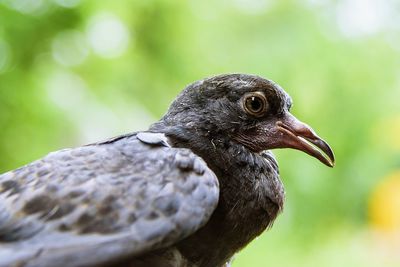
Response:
column 103, row 202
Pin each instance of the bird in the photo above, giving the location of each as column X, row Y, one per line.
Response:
column 190, row 191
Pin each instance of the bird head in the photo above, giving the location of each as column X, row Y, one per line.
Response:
column 249, row 110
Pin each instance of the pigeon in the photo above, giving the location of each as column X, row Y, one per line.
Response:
column 191, row 191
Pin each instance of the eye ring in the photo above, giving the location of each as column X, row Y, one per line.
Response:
column 255, row 104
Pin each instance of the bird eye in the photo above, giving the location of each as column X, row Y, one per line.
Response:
column 255, row 104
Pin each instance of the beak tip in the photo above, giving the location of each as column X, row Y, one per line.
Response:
column 328, row 162
column 330, row 159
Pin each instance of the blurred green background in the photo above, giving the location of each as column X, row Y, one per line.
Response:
column 74, row 72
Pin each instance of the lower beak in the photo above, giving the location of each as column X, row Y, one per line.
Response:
column 298, row 135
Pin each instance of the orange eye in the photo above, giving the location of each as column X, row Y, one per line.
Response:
column 255, row 104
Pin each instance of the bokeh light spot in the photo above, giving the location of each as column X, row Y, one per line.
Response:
column 108, row 35
column 69, row 48
column 384, row 208
column 362, row 17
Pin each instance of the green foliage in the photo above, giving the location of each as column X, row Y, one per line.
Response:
column 59, row 88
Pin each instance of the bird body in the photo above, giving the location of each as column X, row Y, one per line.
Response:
column 191, row 191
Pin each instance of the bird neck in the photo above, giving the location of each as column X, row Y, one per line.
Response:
column 206, row 142
column 236, row 166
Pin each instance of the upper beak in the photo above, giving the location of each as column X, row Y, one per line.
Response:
column 298, row 135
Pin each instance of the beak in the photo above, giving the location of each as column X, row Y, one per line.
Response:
column 298, row 135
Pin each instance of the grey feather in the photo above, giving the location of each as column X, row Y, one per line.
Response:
column 103, row 202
